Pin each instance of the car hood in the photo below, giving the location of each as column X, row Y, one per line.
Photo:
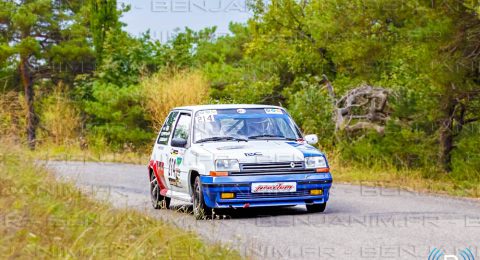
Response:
column 261, row 151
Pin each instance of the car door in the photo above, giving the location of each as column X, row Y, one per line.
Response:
column 162, row 148
column 177, row 172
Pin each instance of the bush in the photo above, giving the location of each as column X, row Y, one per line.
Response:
column 466, row 156
column 312, row 110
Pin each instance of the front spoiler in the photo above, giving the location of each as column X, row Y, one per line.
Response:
column 241, row 186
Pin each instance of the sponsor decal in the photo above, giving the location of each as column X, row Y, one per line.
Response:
column 179, row 161
column 207, row 112
column 273, row 111
column 174, row 172
column 274, row 187
column 253, row 154
column 233, row 147
column 165, row 134
column 241, row 111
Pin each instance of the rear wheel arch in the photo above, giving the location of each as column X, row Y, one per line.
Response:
column 150, row 172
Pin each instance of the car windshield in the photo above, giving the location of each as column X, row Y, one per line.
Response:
column 244, row 124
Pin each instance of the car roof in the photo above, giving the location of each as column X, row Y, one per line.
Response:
column 224, row 106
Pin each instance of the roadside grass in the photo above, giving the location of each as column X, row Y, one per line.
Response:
column 73, row 152
column 433, row 181
column 43, row 218
column 465, row 184
column 411, row 180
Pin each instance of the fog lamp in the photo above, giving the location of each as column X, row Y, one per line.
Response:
column 227, row 195
column 316, row 192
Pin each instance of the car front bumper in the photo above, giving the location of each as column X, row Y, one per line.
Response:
column 241, row 186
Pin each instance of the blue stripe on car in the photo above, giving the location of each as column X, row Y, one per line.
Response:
column 306, row 149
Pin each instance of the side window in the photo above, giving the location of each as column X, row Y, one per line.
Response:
column 167, row 128
column 182, row 130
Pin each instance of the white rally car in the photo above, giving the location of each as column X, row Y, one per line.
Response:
column 230, row 156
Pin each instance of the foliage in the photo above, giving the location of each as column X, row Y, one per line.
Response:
column 113, row 99
column 313, row 111
column 37, row 38
column 124, row 64
column 118, row 115
column 104, row 17
column 417, row 50
column 426, row 53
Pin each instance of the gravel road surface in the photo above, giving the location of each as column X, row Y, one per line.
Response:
column 360, row 222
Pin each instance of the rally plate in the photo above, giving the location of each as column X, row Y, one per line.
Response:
column 274, row 187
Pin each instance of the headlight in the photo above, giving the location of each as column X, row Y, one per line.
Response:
column 227, row 165
column 315, row 162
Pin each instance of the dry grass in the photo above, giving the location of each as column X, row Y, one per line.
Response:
column 71, row 152
column 166, row 90
column 12, row 116
column 60, row 119
column 45, row 219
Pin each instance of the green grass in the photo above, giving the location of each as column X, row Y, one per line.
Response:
column 43, row 218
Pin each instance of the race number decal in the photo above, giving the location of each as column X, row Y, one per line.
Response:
column 206, row 116
column 171, row 168
column 206, row 119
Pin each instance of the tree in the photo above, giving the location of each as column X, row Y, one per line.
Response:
column 425, row 50
column 104, row 17
column 114, row 102
column 44, row 40
column 459, row 78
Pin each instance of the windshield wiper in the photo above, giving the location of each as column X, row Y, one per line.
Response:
column 221, row 138
column 267, row 136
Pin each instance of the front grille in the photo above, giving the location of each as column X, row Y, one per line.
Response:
column 241, row 195
column 271, row 167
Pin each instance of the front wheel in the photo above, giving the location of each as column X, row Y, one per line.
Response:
column 200, row 209
column 316, row 207
column 158, row 201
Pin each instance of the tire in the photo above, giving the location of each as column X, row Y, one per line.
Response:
column 313, row 208
column 200, row 209
column 158, row 201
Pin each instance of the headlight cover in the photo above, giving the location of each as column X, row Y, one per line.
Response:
column 227, row 165
column 315, row 162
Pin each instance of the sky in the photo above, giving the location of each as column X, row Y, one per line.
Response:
column 163, row 17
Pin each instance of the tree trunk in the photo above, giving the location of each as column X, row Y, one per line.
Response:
column 446, row 136
column 29, row 95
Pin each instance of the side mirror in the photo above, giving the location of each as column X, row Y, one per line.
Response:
column 179, row 142
column 311, row 139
